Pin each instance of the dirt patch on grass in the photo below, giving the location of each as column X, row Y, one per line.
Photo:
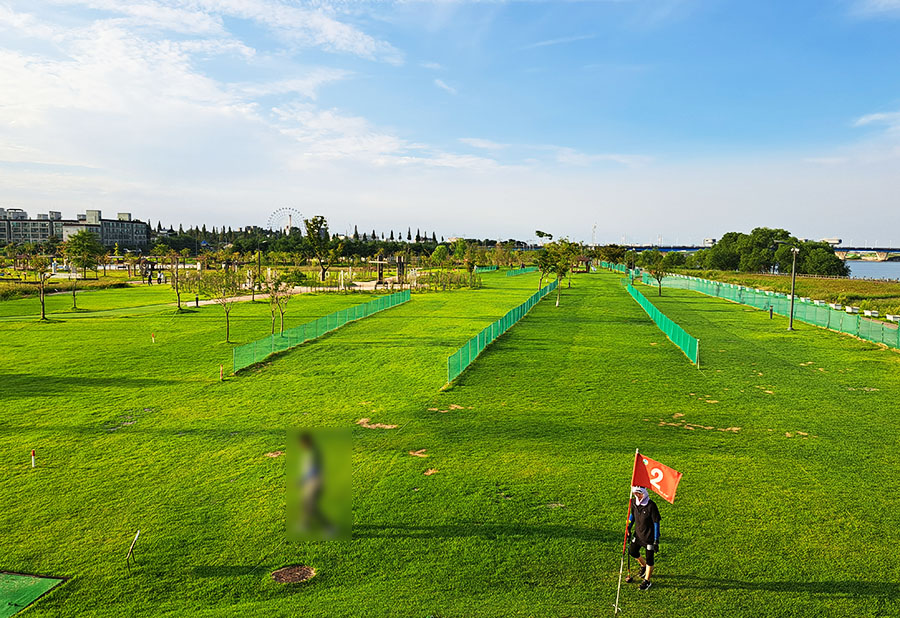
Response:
column 419, row 453
column 453, row 406
column 430, row 471
column 556, row 505
column 294, row 574
column 364, row 422
column 798, row 434
column 694, row 426
column 275, row 454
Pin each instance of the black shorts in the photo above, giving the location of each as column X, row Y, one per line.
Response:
column 635, row 552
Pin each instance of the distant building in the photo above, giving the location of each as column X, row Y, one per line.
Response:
column 17, row 227
column 834, row 242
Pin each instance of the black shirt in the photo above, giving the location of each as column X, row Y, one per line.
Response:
column 644, row 517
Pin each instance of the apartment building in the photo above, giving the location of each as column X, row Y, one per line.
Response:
column 17, row 227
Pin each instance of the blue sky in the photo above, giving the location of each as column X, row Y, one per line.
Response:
column 680, row 119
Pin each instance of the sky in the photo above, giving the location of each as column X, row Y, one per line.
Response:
column 640, row 121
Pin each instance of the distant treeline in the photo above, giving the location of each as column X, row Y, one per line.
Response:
column 763, row 250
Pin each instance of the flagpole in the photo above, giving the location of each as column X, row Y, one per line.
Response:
column 625, row 540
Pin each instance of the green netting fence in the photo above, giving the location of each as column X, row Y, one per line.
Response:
column 621, row 268
column 677, row 335
column 257, row 351
column 485, row 269
column 520, row 271
column 805, row 310
column 466, row 355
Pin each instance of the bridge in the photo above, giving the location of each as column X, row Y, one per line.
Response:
column 873, row 254
column 665, row 248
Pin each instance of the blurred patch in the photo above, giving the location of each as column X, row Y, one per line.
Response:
column 319, row 490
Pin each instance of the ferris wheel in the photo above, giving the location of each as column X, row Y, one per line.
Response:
column 284, row 219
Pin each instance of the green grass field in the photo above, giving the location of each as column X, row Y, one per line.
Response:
column 788, row 505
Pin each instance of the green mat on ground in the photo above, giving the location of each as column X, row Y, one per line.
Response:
column 18, row 591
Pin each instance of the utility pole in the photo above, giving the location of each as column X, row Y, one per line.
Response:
column 795, row 251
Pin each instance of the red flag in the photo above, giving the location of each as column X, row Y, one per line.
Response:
column 654, row 475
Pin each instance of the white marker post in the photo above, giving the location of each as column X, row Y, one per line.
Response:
column 221, row 373
column 32, row 458
column 130, row 554
column 152, row 338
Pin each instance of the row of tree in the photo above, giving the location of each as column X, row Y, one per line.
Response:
column 763, row 250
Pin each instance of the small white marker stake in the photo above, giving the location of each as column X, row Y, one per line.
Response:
column 152, row 338
column 32, row 458
column 221, row 372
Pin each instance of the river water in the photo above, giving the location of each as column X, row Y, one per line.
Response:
column 860, row 269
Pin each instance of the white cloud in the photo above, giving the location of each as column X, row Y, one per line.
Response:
column 307, row 27
column 570, row 156
column 877, row 7
column 560, row 41
column 485, row 144
column 434, row 66
column 891, row 119
column 444, row 86
column 307, row 86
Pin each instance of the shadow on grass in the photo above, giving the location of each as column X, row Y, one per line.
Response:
column 484, row 531
column 225, row 570
column 20, row 385
column 852, row 588
column 103, row 427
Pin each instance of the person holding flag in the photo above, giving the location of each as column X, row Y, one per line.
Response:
column 643, row 527
column 643, row 515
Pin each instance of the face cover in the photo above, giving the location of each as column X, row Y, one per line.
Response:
column 641, row 495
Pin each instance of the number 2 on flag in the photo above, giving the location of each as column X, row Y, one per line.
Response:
column 656, row 477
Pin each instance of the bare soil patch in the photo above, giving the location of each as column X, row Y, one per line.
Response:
column 364, row 422
column 275, row 454
column 294, row 574
column 419, row 453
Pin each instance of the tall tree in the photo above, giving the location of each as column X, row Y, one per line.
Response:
column 319, row 243
column 561, row 256
column 654, row 262
column 39, row 265
column 82, row 251
column 439, row 258
column 171, row 261
column 280, row 292
column 223, row 286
